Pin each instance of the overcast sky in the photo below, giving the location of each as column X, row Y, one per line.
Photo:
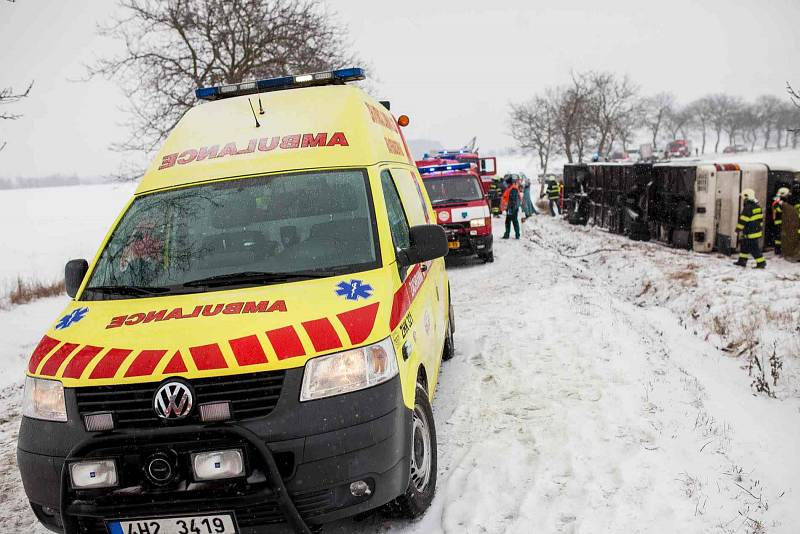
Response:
column 452, row 66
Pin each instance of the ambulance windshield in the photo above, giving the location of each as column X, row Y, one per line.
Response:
column 239, row 233
column 444, row 189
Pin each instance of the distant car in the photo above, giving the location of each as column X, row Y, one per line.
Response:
column 618, row 155
column 680, row 148
column 734, row 149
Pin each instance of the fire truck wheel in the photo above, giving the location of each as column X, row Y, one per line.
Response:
column 422, row 479
column 488, row 258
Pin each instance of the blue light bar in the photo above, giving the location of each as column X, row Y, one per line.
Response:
column 443, row 168
column 333, row 77
column 453, row 152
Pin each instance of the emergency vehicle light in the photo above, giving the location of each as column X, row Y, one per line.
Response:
column 442, row 168
column 281, row 82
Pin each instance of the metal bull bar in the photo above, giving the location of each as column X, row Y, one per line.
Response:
column 278, row 488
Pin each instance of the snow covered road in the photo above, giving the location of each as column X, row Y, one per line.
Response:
column 573, row 404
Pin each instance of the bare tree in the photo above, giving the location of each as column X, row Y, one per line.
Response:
column 734, row 118
column 720, row 107
column 574, row 117
column 611, row 100
column 700, row 112
column 656, row 109
column 534, row 128
column 784, row 122
column 173, row 47
column 767, row 108
column 9, row 96
column 676, row 121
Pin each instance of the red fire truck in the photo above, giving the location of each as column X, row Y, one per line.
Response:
column 461, row 206
column 487, row 167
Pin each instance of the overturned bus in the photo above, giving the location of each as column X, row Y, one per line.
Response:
column 691, row 205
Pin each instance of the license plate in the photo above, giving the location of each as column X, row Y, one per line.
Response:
column 453, row 244
column 200, row 524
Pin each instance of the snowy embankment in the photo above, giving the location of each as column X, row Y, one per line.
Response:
column 43, row 228
column 589, row 392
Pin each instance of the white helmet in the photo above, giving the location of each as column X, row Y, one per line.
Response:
column 748, row 194
column 783, row 192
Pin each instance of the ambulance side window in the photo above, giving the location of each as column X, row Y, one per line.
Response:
column 411, row 194
column 394, row 208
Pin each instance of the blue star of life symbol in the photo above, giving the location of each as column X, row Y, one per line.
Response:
column 354, row 290
column 71, row 318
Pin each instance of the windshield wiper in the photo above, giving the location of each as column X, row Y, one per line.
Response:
column 255, row 277
column 128, row 290
column 448, row 200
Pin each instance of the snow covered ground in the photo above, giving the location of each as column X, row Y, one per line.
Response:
column 44, row 228
column 599, row 385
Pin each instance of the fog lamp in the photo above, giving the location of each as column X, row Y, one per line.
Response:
column 93, row 474
column 360, row 488
column 215, row 465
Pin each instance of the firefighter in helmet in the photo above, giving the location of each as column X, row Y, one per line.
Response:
column 777, row 216
column 553, row 192
column 751, row 225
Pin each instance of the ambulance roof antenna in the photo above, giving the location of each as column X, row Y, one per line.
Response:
column 260, row 107
column 254, row 113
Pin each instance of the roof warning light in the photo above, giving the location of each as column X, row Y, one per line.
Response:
column 333, row 77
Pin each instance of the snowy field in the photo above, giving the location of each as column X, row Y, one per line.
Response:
column 599, row 385
column 44, row 228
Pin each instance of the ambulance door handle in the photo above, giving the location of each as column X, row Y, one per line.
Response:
column 407, row 350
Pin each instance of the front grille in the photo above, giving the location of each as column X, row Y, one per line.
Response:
column 250, row 395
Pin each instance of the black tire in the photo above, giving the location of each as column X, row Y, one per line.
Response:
column 487, row 258
column 421, row 488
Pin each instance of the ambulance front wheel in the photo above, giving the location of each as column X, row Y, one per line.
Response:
column 423, row 464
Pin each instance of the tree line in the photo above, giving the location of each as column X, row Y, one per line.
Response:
column 596, row 112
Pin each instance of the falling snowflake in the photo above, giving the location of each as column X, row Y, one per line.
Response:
column 71, row 318
column 354, row 290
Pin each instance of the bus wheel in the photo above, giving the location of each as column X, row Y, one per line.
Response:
column 422, row 479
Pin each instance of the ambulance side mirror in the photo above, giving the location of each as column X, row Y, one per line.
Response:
column 74, row 272
column 428, row 242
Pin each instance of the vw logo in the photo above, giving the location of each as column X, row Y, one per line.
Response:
column 173, row 400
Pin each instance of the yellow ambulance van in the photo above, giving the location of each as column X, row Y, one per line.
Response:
column 257, row 342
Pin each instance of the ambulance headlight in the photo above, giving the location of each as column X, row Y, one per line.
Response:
column 348, row 371
column 44, row 399
column 216, row 465
column 477, row 223
column 93, row 474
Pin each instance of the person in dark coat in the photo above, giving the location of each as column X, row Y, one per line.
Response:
column 510, row 204
column 751, row 226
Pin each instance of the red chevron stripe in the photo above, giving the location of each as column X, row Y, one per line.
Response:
column 145, row 363
column 322, row 335
column 248, row 350
column 286, row 342
column 359, row 322
column 50, row 367
column 46, row 344
column 109, row 365
column 78, row 363
column 175, row 365
column 208, row 357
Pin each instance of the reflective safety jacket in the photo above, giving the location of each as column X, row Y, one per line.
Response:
column 777, row 218
column 751, row 220
column 553, row 190
column 510, row 201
